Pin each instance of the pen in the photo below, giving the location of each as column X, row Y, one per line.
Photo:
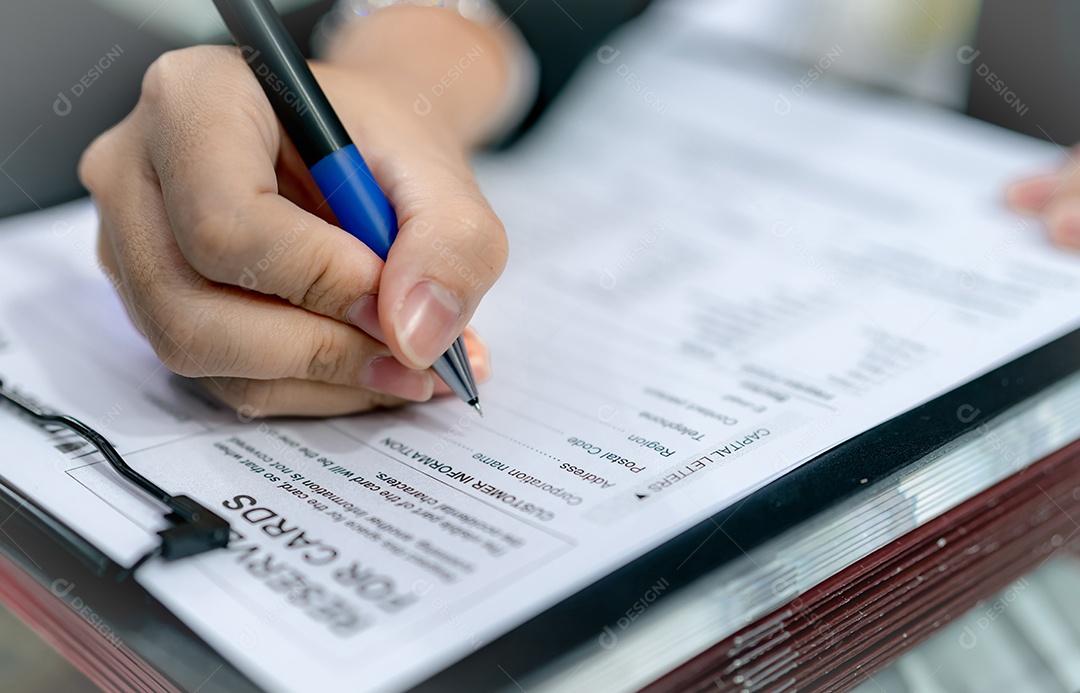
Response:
column 336, row 165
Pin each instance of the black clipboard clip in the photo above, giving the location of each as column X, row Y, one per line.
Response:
column 193, row 529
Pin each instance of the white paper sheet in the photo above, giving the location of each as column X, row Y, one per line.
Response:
column 706, row 289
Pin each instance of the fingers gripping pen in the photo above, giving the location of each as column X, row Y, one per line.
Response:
column 336, row 165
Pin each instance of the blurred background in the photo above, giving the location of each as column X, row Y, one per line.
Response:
column 1026, row 638
column 28, row 665
column 72, row 69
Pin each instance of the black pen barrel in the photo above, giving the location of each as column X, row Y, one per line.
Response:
column 285, row 77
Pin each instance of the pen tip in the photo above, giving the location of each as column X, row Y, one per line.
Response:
column 476, row 406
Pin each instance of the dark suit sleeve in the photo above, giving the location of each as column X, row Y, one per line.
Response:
column 1026, row 74
column 562, row 33
column 72, row 69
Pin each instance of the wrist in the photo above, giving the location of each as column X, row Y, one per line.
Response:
column 432, row 60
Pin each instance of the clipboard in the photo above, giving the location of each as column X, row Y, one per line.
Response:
column 907, row 442
column 792, row 504
column 572, row 630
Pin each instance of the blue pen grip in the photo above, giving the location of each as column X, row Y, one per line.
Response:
column 358, row 203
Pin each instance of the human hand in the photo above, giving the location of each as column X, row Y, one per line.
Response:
column 1054, row 198
column 224, row 253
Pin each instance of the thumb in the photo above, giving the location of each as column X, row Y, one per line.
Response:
column 449, row 251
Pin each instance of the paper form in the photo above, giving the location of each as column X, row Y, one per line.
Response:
column 705, row 290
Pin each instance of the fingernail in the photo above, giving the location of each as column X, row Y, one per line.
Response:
column 426, row 321
column 479, row 356
column 364, row 313
column 481, row 368
column 1031, row 194
column 480, row 363
column 385, row 374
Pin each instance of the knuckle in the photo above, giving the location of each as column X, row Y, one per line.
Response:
column 368, row 401
column 473, row 248
column 160, row 81
column 314, row 291
column 493, row 247
column 193, row 88
column 93, row 162
column 381, row 400
column 107, row 260
column 323, row 290
column 156, row 75
column 178, row 70
column 260, row 397
column 178, row 339
column 329, row 359
column 212, row 240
